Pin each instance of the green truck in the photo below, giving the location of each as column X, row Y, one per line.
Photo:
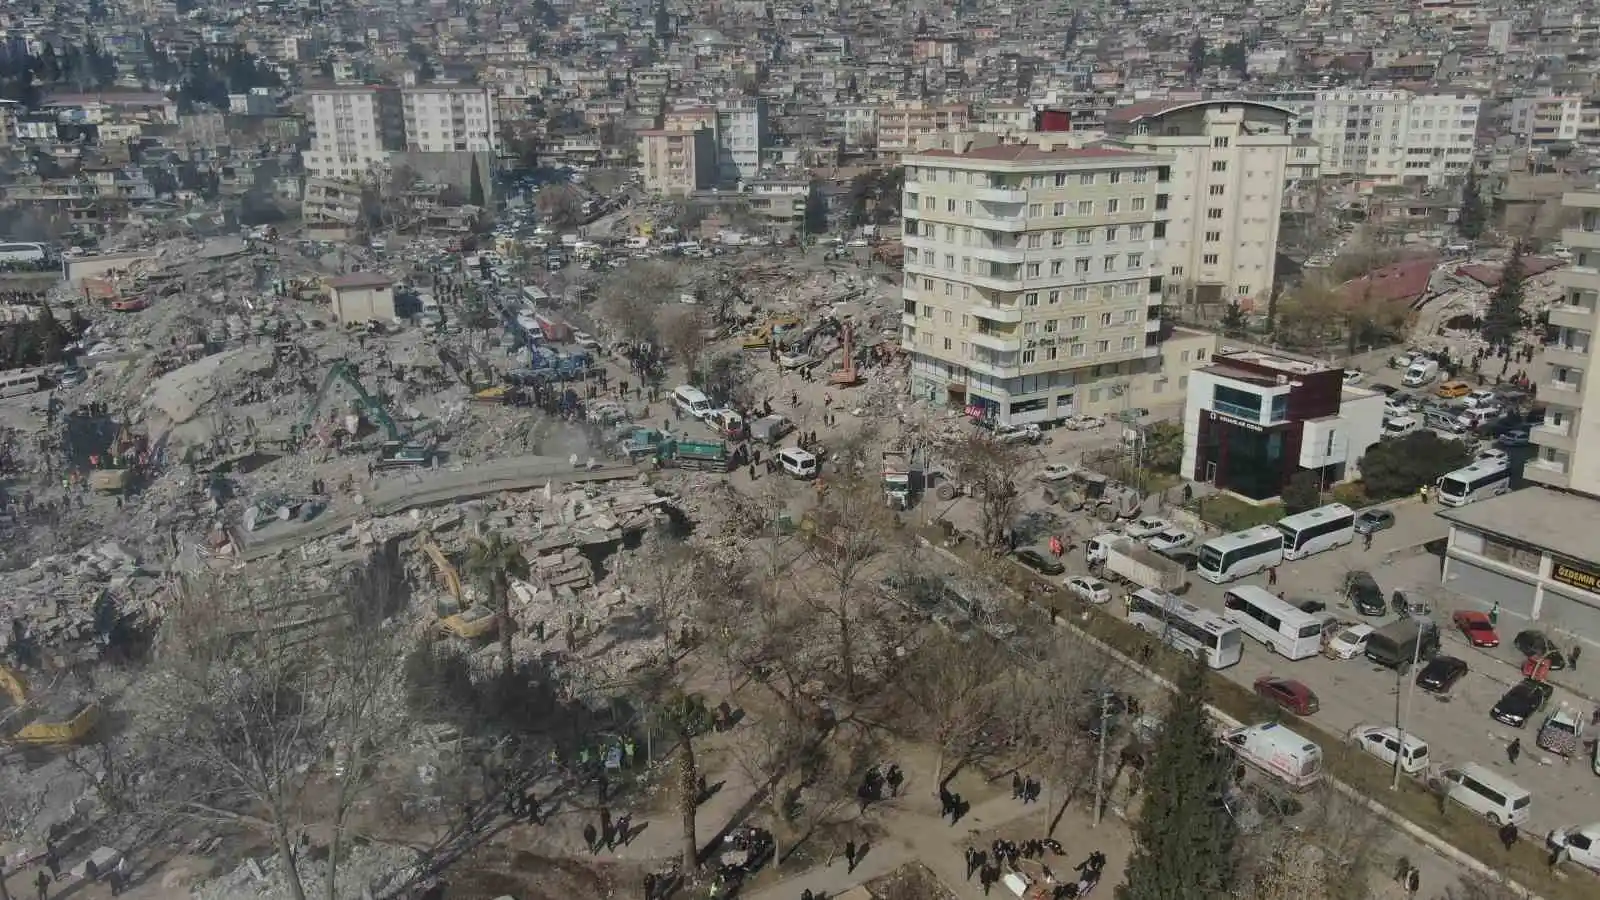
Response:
column 708, row 455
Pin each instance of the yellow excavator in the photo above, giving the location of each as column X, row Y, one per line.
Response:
column 471, row 623
column 51, row 725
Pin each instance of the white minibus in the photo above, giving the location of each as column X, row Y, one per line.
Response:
column 1239, row 554
column 1185, row 627
column 1484, row 478
column 1316, row 530
column 1288, row 630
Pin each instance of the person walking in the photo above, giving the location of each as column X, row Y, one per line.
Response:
column 895, row 779
column 1366, row 541
column 1508, row 836
column 1413, row 881
column 1402, row 869
column 42, row 882
column 591, row 838
column 1016, row 785
column 1272, row 576
column 1572, row 659
column 849, row 856
column 1514, row 750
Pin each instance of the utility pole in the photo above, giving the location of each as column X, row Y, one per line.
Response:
column 1100, row 758
column 1401, row 716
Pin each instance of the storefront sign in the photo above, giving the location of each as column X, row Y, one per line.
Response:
column 1576, row 576
column 1253, row 426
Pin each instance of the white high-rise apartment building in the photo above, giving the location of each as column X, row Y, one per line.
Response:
column 1568, row 441
column 1557, row 119
column 1031, row 290
column 1386, row 136
column 353, row 128
column 741, row 131
column 1220, row 198
column 442, row 118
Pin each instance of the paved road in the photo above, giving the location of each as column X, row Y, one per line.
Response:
column 1458, row 728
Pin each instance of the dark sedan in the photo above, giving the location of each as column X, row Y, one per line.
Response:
column 1522, row 702
column 1040, row 563
column 1369, row 521
column 1537, row 645
column 1441, row 674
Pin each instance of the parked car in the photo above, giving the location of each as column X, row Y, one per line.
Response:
column 1092, row 590
column 1516, row 437
column 1388, row 390
column 1353, row 376
column 1537, row 644
column 1018, row 434
column 1171, row 539
column 1476, row 628
column 1522, row 702
column 1145, row 526
column 1054, row 472
column 1349, row 643
column 1363, row 592
column 1384, row 742
column 1040, row 563
column 1309, row 605
column 1084, row 423
column 1370, row 521
column 1441, row 674
column 1582, row 843
column 1287, row 693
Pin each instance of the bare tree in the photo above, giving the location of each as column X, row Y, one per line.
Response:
column 1323, row 845
column 990, row 469
column 631, row 298
column 683, row 331
column 247, row 703
column 954, row 691
column 560, row 206
column 849, row 529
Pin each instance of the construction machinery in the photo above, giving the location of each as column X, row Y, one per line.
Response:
column 396, row 450
column 847, row 375
column 51, row 724
column 448, row 576
column 777, row 330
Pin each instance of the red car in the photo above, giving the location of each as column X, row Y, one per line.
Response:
column 1289, row 694
column 1476, row 628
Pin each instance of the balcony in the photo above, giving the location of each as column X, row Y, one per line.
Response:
column 1549, row 472
column 993, row 281
column 1152, row 326
column 994, row 340
column 1237, row 410
column 999, row 194
column 1008, row 224
column 1567, row 355
column 1582, row 238
column 999, row 253
column 993, row 313
column 1561, row 393
column 1567, row 314
column 1558, row 437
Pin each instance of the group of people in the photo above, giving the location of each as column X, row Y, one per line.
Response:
column 116, row 877
column 611, row 832
column 952, row 805
column 878, row 778
column 1027, row 789
column 989, row 865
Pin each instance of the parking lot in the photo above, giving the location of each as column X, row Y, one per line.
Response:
column 1457, row 726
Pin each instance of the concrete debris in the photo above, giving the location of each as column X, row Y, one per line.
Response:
column 365, row 869
column 73, row 601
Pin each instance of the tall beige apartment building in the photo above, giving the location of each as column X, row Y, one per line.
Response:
column 1031, row 288
column 1569, row 440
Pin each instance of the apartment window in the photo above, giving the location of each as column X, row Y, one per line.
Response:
column 1219, row 165
column 1130, row 316
column 1086, row 179
column 966, row 292
column 1135, row 232
column 1215, row 190
column 1084, row 235
column 950, row 262
column 966, row 264
column 1213, row 236
column 1056, row 266
column 1051, row 325
column 1137, row 204
column 1035, row 241
column 927, row 257
column 1105, row 319
column 1135, row 260
column 949, row 289
column 1127, row 343
column 947, row 343
column 1108, row 264
column 950, row 205
column 1030, row 328
column 1244, row 290
column 1102, row 346
column 1033, row 270
column 1214, row 213
column 1219, row 143
column 968, row 207
column 1081, row 265
column 1111, row 235
column 1111, row 206
column 1058, row 238
column 1080, row 295
column 1114, row 177
column 1061, row 179
column 1036, row 181
column 1210, row 259
column 1028, row 356
column 1076, row 323
column 949, row 316
column 927, row 309
column 1059, row 209
column 1078, row 349
column 1139, row 175
column 1085, row 207
column 949, row 234
column 1176, row 271
column 1055, row 297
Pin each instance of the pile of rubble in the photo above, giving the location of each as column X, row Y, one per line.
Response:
column 365, row 870
column 72, row 600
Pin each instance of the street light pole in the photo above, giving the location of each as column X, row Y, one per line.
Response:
column 1100, row 758
column 1401, row 717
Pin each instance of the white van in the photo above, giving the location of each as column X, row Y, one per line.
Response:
column 1383, row 741
column 1420, row 372
column 797, row 463
column 691, row 401
column 1489, row 795
column 1400, row 426
column 1278, row 752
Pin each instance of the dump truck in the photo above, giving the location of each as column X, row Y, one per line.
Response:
column 644, row 443
column 708, row 455
column 1144, row 567
column 904, row 478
